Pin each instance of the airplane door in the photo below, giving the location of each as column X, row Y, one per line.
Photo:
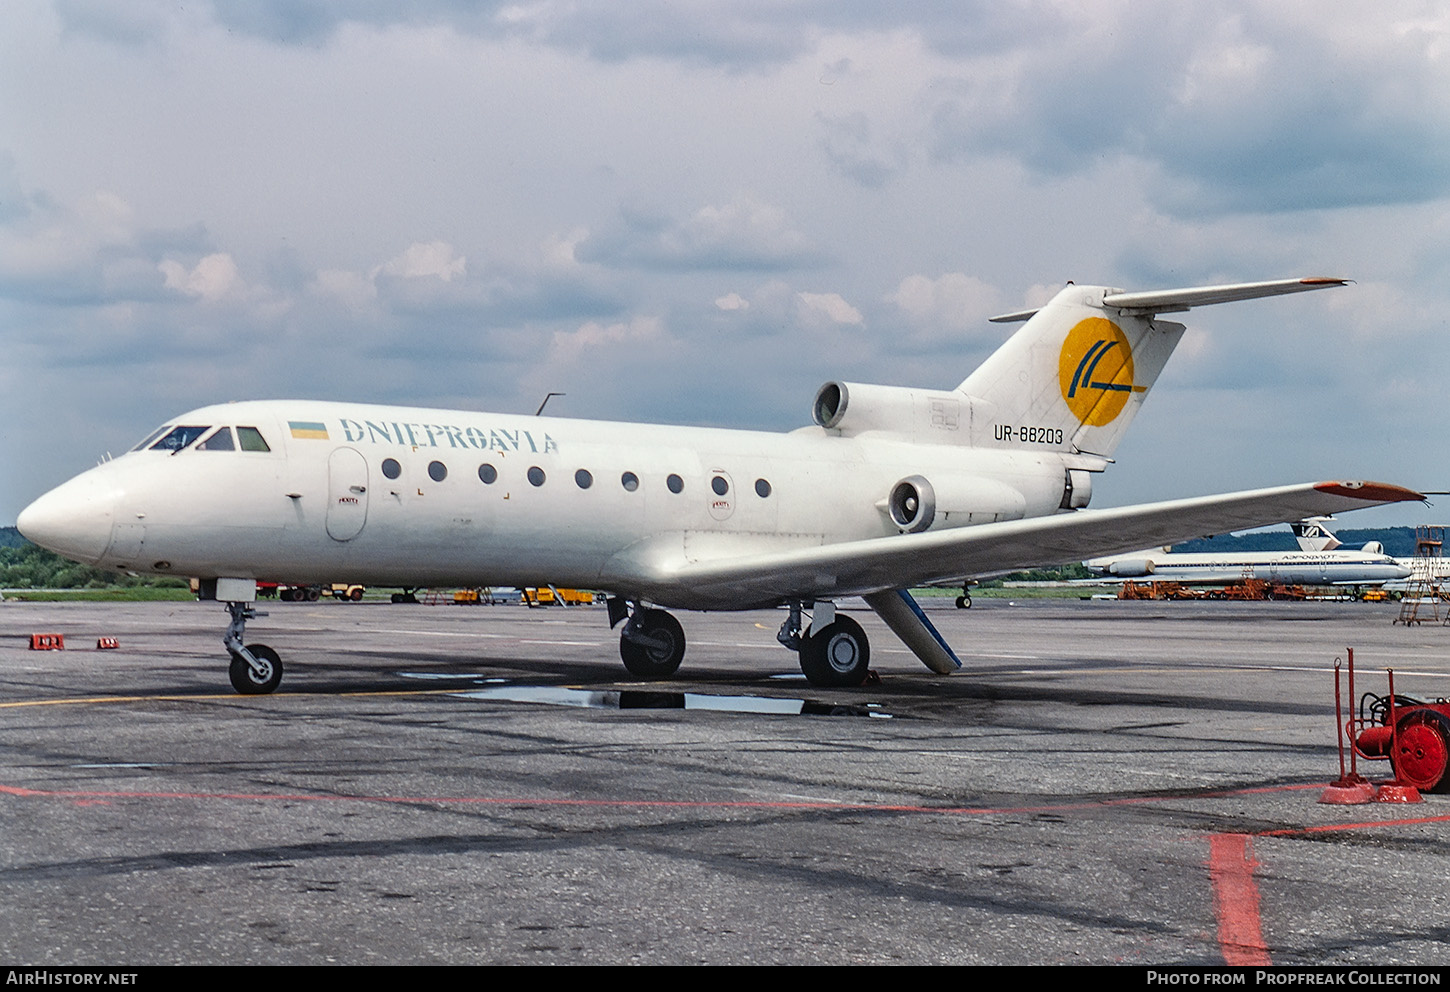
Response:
column 347, row 494
column 721, row 495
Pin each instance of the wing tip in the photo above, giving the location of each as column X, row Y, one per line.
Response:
column 1370, row 492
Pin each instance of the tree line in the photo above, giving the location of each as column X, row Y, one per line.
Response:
column 28, row 566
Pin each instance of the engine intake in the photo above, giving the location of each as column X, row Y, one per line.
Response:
column 912, row 504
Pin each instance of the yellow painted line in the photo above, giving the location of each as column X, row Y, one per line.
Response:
column 232, row 696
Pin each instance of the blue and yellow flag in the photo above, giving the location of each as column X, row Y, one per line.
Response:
column 315, row 430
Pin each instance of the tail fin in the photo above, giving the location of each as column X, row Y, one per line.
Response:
column 1313, row 534
column 1075, row 375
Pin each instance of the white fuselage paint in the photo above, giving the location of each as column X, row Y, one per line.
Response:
column 295, row 514
column 1293, row 567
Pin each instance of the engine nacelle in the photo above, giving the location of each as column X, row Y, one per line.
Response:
column 912, row 504
column 853, row 408
column 951, row 500
column 1373, row 548
column 1130, row 568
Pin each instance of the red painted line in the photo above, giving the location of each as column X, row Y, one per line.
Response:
column 1364, row 825
column 1231, row 867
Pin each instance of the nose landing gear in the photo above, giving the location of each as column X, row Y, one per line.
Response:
column 255, row 669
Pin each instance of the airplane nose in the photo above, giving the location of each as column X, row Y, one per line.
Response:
column 73, row 519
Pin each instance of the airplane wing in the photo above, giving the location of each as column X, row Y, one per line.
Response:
column 663, row 573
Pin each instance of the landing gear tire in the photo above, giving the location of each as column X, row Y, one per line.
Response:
column 1422, row 751
column 657, row 660
column 964, row 601
column 246, row 681
column 838, row 655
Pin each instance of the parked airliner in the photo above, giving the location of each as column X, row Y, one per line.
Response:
column 892, row 487
column 1329, row 567
column 1315, row 534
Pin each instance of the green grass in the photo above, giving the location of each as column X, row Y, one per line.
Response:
column 115, row 594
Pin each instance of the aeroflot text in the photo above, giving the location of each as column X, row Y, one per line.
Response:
column 1294, row 978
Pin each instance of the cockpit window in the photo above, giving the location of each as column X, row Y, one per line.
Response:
column 151, row 437
column 179, row 438
column 252, row 439
column 220, row 441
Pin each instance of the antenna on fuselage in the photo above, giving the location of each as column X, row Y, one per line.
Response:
column 547, row 398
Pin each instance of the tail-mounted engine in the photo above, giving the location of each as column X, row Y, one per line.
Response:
column 912, row 504
column 852, row 408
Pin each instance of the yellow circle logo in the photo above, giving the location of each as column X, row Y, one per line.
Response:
column 1095, row 371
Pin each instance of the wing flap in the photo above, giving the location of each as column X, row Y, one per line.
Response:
column 870, row 566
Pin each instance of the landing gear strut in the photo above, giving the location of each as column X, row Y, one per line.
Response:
column 964, row 601
column 652, row 642
column 835, row 653
column 255, row 669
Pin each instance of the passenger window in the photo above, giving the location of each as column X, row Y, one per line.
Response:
column 179, row 438
column 629, row 481
column 676, row 484
column 536, row 476
column 252, row 439
column 437, row 471
column 391, row 468
column 720, row 486
column 487, row 474
column 220, row 441
column 583, row 479
column 762, row 488
column 152, row 436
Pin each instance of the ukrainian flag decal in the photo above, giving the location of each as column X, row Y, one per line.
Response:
column 315, row 430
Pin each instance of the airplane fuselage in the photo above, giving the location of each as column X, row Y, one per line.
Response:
column 1290, row 567
column 399, row 496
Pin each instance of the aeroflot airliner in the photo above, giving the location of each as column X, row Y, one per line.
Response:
column 891, row 488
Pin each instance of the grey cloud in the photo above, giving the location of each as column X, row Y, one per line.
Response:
column 848, row 143
column 742, row 235
column 1237, row 112
column 736, row 34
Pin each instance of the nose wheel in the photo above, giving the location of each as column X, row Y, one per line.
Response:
column 258, row 675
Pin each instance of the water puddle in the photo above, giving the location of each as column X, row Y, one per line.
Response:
column 645, row 699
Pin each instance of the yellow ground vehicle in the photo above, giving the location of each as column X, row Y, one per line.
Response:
column 554, row 596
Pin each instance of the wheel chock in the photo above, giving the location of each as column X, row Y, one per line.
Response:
column 1394, row 792
column 105, row 643
column 1352, row 790
column 47, row 642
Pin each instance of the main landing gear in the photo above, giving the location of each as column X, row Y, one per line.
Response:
column 652, row 642
column 834, row 651
column 255, row 669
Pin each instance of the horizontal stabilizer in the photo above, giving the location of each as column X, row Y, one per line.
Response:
column 1177, row 300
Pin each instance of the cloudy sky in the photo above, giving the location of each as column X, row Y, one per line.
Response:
column 699, row 211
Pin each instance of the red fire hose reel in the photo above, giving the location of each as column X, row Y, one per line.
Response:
column 1412, row 734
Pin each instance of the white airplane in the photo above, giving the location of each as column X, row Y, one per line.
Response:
column 893, row 487
column 1315, row 534
column 1326, row 566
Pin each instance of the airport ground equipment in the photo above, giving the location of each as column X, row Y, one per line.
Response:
column 1421, row 601
column 47, row 642
column 1412, row 734
column 553, row 595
